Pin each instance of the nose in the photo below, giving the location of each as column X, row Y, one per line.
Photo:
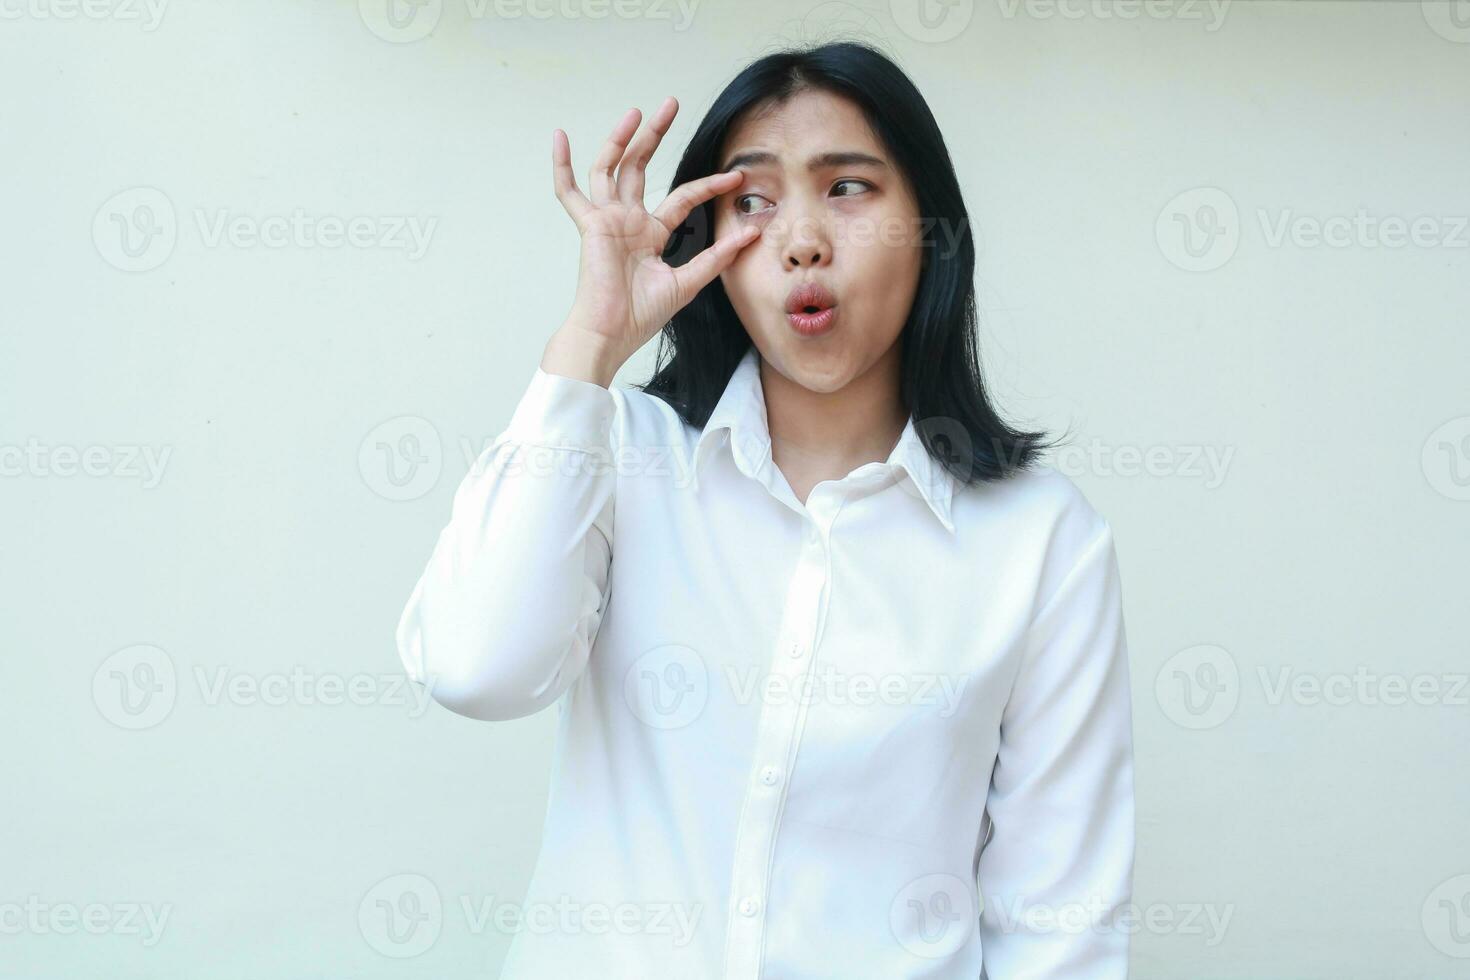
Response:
column 808, row 240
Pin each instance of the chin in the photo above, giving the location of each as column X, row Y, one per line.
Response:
column 822, row 371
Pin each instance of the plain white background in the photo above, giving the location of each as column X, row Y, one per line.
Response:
column 1227, row 243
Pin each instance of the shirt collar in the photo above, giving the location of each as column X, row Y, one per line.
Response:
column 741, row 411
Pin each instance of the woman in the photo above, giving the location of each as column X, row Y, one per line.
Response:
column 828, row 645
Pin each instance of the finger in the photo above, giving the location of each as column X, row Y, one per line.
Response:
column 699, row 271
column 600, row 177
column 640, row 151
column 684, row 198
column 565, row 182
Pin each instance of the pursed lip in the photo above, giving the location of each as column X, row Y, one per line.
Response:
column 809, row 295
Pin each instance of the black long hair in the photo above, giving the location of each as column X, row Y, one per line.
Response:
column 941, row 387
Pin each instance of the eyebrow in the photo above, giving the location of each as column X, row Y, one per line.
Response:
column 836, row 158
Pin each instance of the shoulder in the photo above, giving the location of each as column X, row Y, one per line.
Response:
column 649, row 436
column 1042, row 499
column 645, row 419
column 1047, row 517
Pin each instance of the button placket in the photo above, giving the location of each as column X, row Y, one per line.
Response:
column 780, row 719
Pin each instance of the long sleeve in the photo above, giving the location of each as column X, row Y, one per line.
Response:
column 502, row 620
column 1058, row 869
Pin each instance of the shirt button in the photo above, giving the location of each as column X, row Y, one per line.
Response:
column 749, row 907
column 796, row 648
column 770, row 775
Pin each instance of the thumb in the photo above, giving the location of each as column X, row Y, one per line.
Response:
column 699, row 271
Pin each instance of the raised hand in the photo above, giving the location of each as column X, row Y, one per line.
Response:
column 625, row 291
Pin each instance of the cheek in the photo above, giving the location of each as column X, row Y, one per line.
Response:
column 887, row 276
column 887, row 267
column 738, row 279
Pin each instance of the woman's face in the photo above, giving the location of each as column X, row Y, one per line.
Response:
column 849, row 223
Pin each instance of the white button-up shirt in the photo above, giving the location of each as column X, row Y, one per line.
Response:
column 792, row 738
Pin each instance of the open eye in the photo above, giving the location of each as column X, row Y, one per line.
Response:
column 859, row 183
column 746, row 197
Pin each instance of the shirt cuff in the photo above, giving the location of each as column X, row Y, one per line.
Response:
column 565, row 413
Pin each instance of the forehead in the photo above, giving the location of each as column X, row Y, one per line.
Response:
column 809, row 122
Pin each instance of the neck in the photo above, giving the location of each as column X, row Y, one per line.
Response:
column 818, row 436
